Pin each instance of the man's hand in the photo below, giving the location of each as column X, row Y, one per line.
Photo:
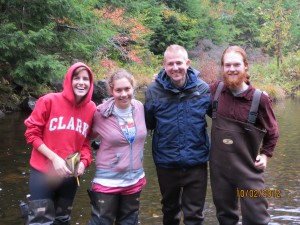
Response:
column 261, row 162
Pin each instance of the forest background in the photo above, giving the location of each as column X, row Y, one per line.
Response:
column 40, row 39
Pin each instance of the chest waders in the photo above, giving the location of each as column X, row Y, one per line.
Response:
column 110, row 209
column 235, row 146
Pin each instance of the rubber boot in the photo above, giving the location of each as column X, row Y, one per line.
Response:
column 129, row 209
column 104, row 208
column 40, row 212
column 63, row 208
column 24, row 211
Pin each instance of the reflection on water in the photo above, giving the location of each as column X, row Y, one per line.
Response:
column 282, row 174
column 283, row 171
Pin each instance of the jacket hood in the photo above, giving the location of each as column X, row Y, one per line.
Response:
column 192, row 76
column 106, row 108
column 67, row 86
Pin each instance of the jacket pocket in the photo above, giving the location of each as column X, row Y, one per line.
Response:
column 142, row 155
column 116, row 161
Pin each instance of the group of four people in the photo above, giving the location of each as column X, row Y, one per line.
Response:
column 244, row 133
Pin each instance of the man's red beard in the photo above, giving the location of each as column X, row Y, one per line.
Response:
column 236, row 83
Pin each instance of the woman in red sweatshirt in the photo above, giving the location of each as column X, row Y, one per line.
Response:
column 58, row 127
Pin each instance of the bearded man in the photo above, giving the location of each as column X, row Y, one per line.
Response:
column 244, row 134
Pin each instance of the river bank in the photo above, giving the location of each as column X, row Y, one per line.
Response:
column 13, row 97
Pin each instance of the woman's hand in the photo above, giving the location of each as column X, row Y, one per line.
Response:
column 59, row 164
column 60, row 167
column 80, row 169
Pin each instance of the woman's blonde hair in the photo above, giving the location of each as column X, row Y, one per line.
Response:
column 119, row 75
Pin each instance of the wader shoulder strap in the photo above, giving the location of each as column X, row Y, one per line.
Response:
column 254, row 107
column 215, row 102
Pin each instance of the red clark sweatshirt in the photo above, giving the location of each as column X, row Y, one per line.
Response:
column 61, row 124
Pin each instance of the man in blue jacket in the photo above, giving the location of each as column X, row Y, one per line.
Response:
column 175, row 108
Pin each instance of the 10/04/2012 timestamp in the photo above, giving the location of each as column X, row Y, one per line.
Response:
column 255, row 193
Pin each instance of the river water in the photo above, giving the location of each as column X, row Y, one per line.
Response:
column 282, row 174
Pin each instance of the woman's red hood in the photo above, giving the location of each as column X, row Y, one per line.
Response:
column 68, row 90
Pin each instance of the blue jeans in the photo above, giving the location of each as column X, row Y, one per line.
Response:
column 40, row 188
column 60, row 192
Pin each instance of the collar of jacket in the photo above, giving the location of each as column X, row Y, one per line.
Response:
column 191, row 76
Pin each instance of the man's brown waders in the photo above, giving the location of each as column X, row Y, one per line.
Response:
column 235, row 146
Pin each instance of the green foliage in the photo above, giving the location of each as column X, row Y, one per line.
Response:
column 40, row 39
column 189, row 7
column 293, row 43
column 275, row 30
column 143, row 74
column 290, row 70
column 214, row 22
column 246, row 21
column 176, row 28
column 287, row 76
column 8, row 99
column 41, row 70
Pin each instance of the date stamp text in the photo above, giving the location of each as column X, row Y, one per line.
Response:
column 255, row 193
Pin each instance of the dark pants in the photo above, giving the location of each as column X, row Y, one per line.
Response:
column 183, row 189
column 60, row 192
column 109, row 209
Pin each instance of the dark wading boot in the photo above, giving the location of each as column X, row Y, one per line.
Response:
column 24, row 211
column 129, row 209
column 104, row 208
column 40, row 212
column 63, row 208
